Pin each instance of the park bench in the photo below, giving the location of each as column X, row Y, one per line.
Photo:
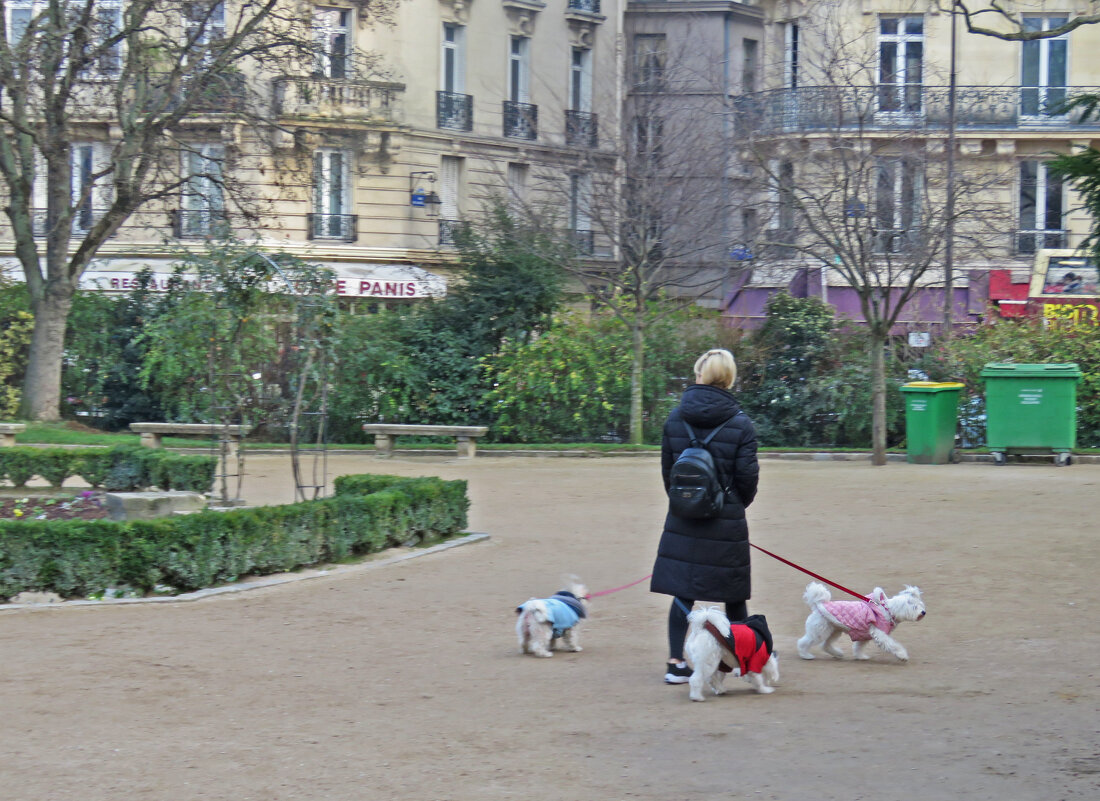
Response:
column 152, row 433
column 465, row 436
column 8, row 432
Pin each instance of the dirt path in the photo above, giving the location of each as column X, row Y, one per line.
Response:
column 403, row 683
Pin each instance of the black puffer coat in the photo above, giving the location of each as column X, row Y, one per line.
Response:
column 708, row 560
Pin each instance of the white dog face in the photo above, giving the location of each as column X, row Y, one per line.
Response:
column 907, row 605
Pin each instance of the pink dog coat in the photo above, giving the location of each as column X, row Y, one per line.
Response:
column 858, row 617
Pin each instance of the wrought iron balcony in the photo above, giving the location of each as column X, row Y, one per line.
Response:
column 584, row 241
column 454, row 111
column 521, row 120
column 586, row 6
column 199, row 223
column 343, row 227
column 448, row 232
column 894, row 108
column 1030, row 242
column 581, row 129
column 896, row 240
column 84, row 217
column 333, row 98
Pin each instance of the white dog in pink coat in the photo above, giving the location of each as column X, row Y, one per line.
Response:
column 863, row 621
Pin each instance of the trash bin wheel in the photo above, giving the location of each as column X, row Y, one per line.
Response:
column 1063, row 459
column 999, row 457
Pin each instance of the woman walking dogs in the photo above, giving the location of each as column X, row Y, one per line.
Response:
column 707, row 558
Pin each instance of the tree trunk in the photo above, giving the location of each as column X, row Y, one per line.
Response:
column 878, row 398
column 41, row 398
column 637, row 368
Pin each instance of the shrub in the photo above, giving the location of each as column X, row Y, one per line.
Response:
column 368, row 513
column 124, row 468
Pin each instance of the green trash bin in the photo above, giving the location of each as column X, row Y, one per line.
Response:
column 1031, row 408
column 931, row 414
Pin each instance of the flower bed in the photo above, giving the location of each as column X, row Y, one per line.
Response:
column 87, row 505
column 80, row 558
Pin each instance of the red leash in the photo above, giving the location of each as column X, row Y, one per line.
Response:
column 810, row 573
column 608, row 592
column 762, row 550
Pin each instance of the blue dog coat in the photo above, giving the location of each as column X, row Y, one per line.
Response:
column 564, row 610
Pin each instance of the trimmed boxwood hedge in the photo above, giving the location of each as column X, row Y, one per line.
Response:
column 78, row 558
column 123, row 468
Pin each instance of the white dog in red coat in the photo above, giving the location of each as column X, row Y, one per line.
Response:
column 863, row 621
column 745, row 650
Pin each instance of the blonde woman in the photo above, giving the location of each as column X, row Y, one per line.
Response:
column 707, row 559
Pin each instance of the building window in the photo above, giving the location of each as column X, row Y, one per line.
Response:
column 898, row 190
column 19, row 13
column 580, row 80
column 649, row 134
column 453, row 59
column 790, row 55
column 749, row 65
column 517, row 187
column 202, row 202
column 450, row 198
column 901, row 63
column 331, row 193
column 205, row 25
column 90, row 195
column 519, row 69
column 1043, row 69
column 107, row 24
column 331, row 32
column 650, row 58
column 580, row 221
column 1042, row 206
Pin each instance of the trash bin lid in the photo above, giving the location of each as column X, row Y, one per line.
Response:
column 995, row 370
column 930, row 386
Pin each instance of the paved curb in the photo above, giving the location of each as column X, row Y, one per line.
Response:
column 260, row 583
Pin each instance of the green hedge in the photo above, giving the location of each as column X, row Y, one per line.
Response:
column 76, row 558
column 123, row 468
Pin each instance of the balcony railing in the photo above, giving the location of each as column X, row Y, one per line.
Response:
column 1030, row 242
column 343, row 227
column 448, row 232
column 338, row 99
column 521, row 120
column 454, row 111
column 199, row 223
column 896, row 240
column 586, row 6
column 84, row 217
column 581, row 129
column 977, row 108
column 584, row 241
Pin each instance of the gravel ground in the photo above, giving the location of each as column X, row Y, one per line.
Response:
column 403, row 682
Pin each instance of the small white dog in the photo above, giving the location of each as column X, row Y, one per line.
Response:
column 745, row 650
column 863, row 621
column 543, row 622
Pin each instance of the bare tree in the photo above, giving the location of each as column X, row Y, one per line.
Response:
column 109, row 108
column 1016, row 22
column 849, row 183
column 648, row 218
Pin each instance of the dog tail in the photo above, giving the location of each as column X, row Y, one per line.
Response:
column 816, row 594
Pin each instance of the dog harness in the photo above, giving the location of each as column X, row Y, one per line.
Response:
column 564, row 610
column 858, row 618
column 751, row 643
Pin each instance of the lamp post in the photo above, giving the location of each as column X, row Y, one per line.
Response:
column 949, row 227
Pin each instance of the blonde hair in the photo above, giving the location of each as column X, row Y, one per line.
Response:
column 716, row 368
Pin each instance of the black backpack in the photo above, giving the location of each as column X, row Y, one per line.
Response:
column 694, row 488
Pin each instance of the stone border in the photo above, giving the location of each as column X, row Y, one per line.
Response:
column 259, row 582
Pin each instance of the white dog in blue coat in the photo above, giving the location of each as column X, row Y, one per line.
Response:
column 543, row 622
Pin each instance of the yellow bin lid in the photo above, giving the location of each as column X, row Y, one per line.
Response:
column 930, row 386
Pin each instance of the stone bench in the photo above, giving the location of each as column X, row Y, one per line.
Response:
column 152, row 433
column 465, row 436
column 8, row 432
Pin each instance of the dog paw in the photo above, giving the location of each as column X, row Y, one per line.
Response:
column 862, row 657
column 766, row 689
column 576, row 649
column 903, row 655
column 697, row 698
column 544, row 654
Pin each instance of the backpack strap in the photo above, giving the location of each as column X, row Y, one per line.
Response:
column 695, row 443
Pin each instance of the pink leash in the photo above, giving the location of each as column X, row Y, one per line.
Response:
column 762, row 550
